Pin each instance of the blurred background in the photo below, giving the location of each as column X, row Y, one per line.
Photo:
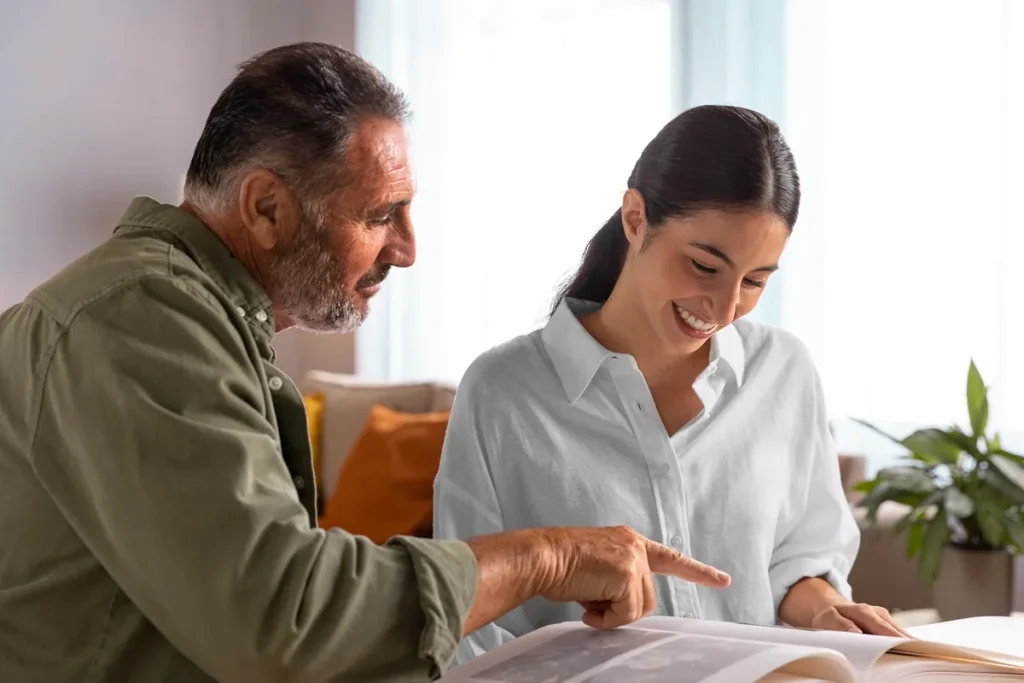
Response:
column 905, row 117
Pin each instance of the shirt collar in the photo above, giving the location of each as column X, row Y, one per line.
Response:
column 727, row 346
column 204, row 247
column 577, row 356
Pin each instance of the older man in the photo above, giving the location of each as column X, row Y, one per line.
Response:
column 156, row 507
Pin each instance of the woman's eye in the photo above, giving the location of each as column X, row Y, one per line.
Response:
column 701, row 268
column 754, row 283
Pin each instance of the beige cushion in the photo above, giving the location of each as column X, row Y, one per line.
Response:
column 347, row 403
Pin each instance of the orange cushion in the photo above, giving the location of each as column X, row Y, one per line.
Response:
column 386, row 486
column 314, row 419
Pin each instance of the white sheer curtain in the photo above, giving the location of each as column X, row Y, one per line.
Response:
column 905, row 117
column 528, row 117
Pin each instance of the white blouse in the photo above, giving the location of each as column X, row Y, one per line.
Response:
column 552, row 429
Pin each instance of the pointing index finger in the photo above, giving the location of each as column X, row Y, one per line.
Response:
column 664, row 560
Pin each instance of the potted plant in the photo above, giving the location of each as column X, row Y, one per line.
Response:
column 964, row 499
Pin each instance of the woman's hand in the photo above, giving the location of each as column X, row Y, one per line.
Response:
column 814, row 603
column 858, row 618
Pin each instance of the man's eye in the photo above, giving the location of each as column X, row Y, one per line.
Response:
column 701, row 268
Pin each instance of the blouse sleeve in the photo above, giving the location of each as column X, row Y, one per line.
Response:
column 465, row 500
column 824, row 538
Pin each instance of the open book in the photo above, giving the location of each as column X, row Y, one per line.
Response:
column 674, row 650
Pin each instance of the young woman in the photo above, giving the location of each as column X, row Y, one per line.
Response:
column 647, row 400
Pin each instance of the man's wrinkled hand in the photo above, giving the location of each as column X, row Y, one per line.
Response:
column 858, row 618
column 609, row 570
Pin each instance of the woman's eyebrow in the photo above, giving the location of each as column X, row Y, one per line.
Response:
column 719, row 254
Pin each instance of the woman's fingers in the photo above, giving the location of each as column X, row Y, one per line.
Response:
column 871, row 619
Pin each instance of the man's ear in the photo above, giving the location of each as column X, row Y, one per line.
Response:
column 268, row 209
column 634, row 217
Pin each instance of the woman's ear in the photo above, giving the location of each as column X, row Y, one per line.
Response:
column 634, row 218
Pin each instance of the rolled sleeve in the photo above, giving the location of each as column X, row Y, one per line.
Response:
column 447, row 574
column 824, row 540
column 156, row 441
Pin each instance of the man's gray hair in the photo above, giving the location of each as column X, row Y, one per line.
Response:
column 290, row 110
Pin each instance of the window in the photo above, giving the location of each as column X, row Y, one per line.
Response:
column 528, row 118
column 906, row 118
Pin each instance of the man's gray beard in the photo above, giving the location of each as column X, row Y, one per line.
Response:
column 305, row 278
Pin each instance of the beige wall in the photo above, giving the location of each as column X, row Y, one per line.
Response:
column 103, row 100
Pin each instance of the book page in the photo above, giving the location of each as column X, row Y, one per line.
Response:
column 996, row 634
column 896, row 668
column 862, row 651
column 574, row 653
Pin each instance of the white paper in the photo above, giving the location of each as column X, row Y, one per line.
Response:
column 997, row 634
column 573, row 653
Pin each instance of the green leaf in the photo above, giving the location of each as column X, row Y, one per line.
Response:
column 866, row 486
column 876, row 430
column 1015, row 528
column 998, row 482
column 1009, row 469
column 1019, row 459
column 991, row 521
column 995, row 443
column 964, row 442
column 909, row 479
column 935, row 538
column 905, row 522
column 958, row 503
column 977, row 401
column 915, row 537
column 934, row 444
column 881, row 493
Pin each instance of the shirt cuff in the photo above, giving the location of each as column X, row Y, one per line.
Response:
column 446, row 572
column 789, row 572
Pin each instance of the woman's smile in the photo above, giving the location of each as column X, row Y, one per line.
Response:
column 692, row 325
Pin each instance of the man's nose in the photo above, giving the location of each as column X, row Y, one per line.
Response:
column 400, row 250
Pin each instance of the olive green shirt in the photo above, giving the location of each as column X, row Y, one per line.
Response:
column 157, row 503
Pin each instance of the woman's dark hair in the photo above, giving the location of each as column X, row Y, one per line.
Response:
column 708, row 157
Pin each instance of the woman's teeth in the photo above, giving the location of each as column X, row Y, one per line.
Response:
column 693, row 321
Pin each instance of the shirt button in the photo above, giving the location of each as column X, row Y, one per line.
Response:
column 275, row 383
column 664, row 470
column 688, row 615
column 241, row 311
column 676, row 541
column 299, row 482
column 261, row 316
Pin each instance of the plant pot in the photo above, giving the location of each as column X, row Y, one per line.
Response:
column 975, row 583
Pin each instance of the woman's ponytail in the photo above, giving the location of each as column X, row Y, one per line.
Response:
column 602, row 263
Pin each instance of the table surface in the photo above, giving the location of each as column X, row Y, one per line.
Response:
column 922, row 617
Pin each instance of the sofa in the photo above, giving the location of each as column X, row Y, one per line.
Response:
column 882, row 575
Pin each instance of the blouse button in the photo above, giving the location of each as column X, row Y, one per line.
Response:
column 275, row 383
column 676, row 541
